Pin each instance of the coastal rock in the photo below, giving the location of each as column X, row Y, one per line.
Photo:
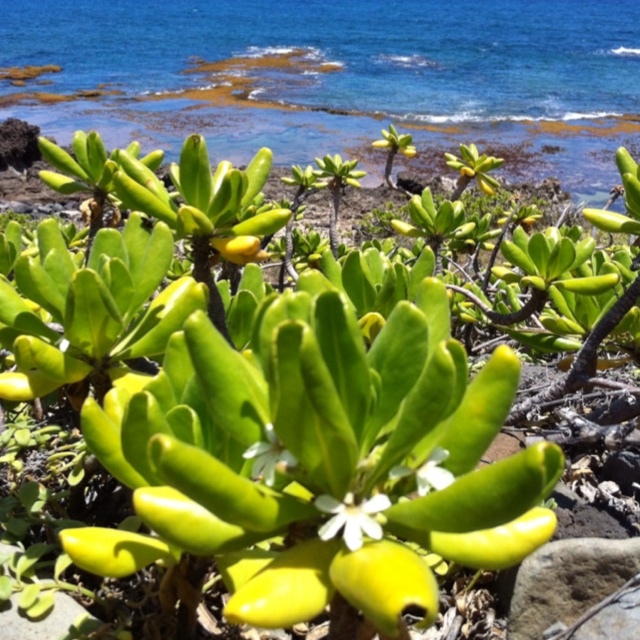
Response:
column 564, row 579
column 623, row 467
column 18, row 144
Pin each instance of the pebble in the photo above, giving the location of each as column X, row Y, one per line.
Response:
column 62, row 210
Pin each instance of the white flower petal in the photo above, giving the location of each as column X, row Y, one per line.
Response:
column 288, row 458
column 400, row 471
column 269, row 470
column 438, row 455
column 271, row 433
column 257, row 449
column 328, row 504
column 330, row 528
column 370, row 527
column 353, row 533
column 378, row 503
column 440, row 478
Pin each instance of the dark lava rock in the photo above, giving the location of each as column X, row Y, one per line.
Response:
column 623, row 467
column 18, row 144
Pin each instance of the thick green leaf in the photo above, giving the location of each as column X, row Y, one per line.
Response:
column 35, row 282
column 50, row 239
column 55, row 265
column 307, row 413
column 144, row 418
column 424, row 407
column 561, row 259
column 539, row 251
column 236, row 394
column 386, row 292
column 342, row 349
column 469, row 431
column 591, row 286
column 383, row 579
column 141, row 199
column 497, row 548
column 422, row 268
column 60, row 159
column 187, row 524
column 108, row 243
column 177, row 364
column 185, row 425
column 118, row 279
column 398, row 355
column 15, row 312
column 150, row 255
column 96, row 155
column 113, row 553
column 272, row 311
column 92, row 320
column 361, row 292
column 163, row 317
column 331, row 269
column 232, row 498
column 195, row 172
column 433, row 301
column 517, row 257
column 101, row 431
column 240, row 318
column 253, row 281
column 611, row 222
column 485, row 498
column 257, row 172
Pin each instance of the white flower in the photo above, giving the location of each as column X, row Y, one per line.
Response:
column 267, row 456
column 431, row 476
column 356, row 519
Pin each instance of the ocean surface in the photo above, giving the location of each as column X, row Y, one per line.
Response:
column 556, row 82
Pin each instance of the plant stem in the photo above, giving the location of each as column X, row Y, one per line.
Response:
column 344, row 619
column 202, row 273
column 584, row 366
column 336, row 193
column 461, row 185
column 534, row 304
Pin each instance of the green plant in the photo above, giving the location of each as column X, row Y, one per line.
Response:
column 339, row 175
column 438, row 225
column 221, row 214
column 378, row 222
column 394, row 143
column 473, row 165
column 335, row 439
column 91, row 171
column 77, row 325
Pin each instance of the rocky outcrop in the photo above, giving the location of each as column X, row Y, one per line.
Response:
column 18, row 144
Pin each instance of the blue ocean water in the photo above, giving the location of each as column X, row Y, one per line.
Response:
column 483, row 67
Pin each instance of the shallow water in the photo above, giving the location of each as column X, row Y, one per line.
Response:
column 312, row 78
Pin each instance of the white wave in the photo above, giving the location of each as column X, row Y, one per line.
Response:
column 476, row 117
column 406, row 61
column 625, row 51
column 262, row 52
column 253, row 95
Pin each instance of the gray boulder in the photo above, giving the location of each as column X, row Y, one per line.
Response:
column 564, row 579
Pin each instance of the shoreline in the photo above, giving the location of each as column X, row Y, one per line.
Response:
column 580, row 153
